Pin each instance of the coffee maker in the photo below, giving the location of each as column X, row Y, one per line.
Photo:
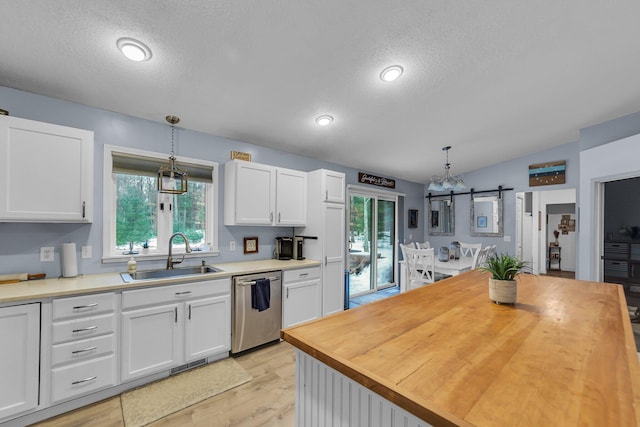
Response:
column 297, row 247
column 284, row 248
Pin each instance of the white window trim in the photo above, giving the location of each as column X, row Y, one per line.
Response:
column 109, row 208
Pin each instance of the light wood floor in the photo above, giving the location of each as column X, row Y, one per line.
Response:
column 267, row 400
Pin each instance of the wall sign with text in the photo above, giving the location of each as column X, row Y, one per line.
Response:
column 380, row 181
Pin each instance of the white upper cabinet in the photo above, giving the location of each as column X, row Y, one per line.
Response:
column 330, row 184
column 46, row 172
column 291, row 197
column 256, row 194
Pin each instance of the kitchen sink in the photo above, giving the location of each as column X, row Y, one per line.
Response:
column 161, row 274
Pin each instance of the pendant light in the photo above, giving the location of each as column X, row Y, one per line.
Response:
column 171, row 179
column 446, row 182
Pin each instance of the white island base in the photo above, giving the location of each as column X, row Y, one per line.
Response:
column 325, row 397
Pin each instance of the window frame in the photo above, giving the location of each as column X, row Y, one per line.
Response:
column 109, row 254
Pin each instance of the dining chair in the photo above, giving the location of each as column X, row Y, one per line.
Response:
column 480, row 258
column 420, row 266
column 424, row 245
column 402, row 249
column 469, row 249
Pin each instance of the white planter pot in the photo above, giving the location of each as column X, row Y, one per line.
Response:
column 502, row 291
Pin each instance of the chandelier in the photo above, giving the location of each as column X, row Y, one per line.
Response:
column 448, row 181
column 171, row 179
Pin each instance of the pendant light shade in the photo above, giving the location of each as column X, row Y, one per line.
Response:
column 447, row 182
column 171, row 179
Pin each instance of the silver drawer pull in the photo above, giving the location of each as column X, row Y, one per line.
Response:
column 84, row 380
column 84, row 350
column 179, row 294
column 80, row 307
column 303, row 275
column 90, row 328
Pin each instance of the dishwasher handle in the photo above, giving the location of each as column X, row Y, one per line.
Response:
column 253, row 282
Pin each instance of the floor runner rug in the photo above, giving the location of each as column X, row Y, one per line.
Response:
column 151, row 402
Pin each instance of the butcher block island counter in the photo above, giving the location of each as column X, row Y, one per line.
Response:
column 444, row 354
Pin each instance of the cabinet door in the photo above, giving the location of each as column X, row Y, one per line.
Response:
column 301, row 301
column 254, row 192
column 207, row 327
column 19, row 358
column 333, row 262
column 46, row 172
column 291, row 197
column 151, row 340
column 334, row 188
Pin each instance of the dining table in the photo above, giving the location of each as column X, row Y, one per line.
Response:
column 452, row 267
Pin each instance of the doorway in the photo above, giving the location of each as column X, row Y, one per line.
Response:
column 372, row 236
column 538, row 215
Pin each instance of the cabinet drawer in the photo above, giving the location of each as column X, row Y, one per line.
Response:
column 173, row 293
column 83, row 349
column 616, row 268
column 84, row 305
column 616, row 250
column 82, row 378
column 83, row 328
column 301, row 274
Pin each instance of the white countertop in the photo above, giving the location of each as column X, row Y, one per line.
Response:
column 63, row 286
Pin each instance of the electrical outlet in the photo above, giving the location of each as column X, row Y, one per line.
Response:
column 47, row 254
column 86, row 252
column 507, row 238
column 410, row 236
column 232, row 245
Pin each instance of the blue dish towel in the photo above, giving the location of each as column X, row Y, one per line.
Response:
column 261, row 294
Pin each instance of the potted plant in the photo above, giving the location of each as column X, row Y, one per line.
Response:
column 502, row 285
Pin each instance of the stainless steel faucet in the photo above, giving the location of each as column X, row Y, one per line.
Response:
column 170, row 261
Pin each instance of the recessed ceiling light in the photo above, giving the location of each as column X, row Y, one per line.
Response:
column 324, row 120
column 134, row 49
column 391, row 73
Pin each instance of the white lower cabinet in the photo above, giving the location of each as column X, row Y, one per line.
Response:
column 166, row 326
column 301, row 296
column 19, row 358
column 83, row 345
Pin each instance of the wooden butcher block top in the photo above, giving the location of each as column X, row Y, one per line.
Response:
column 564, row 355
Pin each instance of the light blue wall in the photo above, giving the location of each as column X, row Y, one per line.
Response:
column 21, row 242
column 512, row 174
column 609, row 131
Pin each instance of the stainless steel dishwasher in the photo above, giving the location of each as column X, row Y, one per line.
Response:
column 250, row 327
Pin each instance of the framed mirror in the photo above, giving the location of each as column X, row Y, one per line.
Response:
column 486, row 216
column 440, row 217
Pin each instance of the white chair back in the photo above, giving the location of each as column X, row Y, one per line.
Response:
column 425, row 245
column 469, row 249
column 480, row 259
column 420, row 266
column 403, row 250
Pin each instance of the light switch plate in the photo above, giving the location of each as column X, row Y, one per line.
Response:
column 507, row 238
column 86, row 251
column 232, row 245
column 47, row 254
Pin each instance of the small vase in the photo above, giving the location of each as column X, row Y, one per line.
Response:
column 502, row 291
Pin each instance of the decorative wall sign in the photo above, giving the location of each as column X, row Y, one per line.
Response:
column 413, row 218
column 547, row 173
column 241, row 156
column 380, row 181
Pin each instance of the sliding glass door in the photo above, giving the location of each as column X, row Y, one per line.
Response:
column 372, row 236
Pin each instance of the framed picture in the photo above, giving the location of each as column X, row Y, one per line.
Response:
column 572, row 225
column 250, row 245
column 413, row 218
column 481, row 222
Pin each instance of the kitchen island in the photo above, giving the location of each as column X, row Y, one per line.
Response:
column 444, row 354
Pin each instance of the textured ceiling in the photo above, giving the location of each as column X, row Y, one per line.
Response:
column 495, row 79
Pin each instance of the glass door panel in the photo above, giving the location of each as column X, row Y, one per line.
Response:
column 372, row 238
column 361, row 224
column 385, row 244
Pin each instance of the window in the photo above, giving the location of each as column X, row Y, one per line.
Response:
column 139, row 219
